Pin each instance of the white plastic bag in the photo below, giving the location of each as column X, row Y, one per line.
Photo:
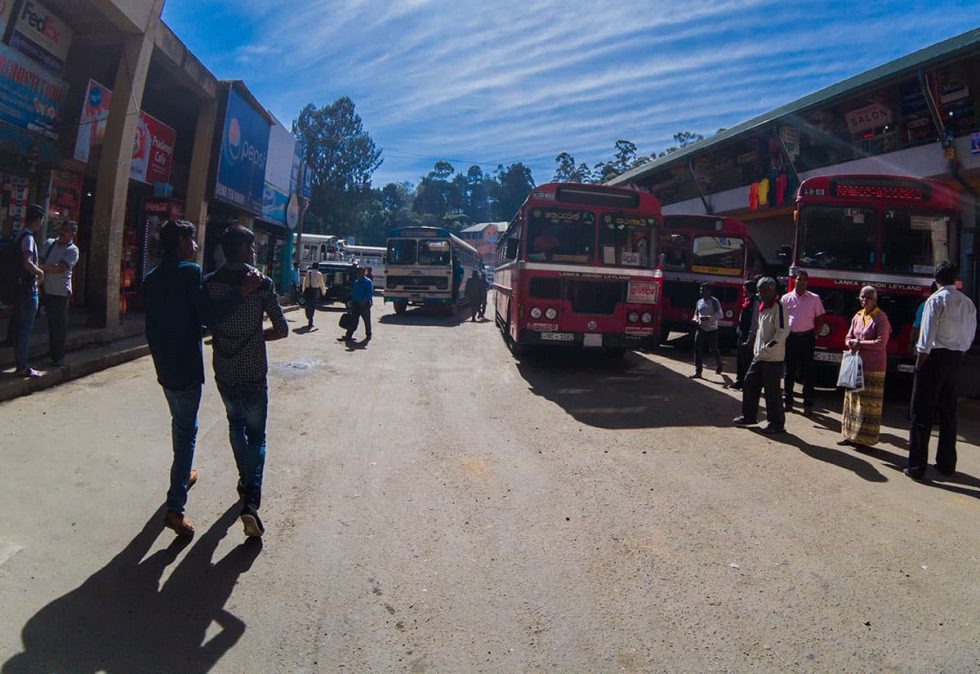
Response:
column 851, row 375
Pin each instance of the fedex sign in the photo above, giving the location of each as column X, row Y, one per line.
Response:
column 42, row 36
column 240, row 178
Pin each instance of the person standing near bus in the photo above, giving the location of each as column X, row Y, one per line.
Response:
column 707, row 313
column 768, row 354
column 312, row 287
column 805, row 312
column 475, row 289
column 949, row 325
column 745, row 332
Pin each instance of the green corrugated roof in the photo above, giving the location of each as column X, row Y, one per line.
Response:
column 941, row 50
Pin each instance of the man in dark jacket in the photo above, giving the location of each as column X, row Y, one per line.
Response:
column 176, row 308
column 475, row 290
column 745, row 333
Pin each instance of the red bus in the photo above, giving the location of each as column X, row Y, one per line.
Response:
column 884, row 231
column 578, row 267
column 705, row 249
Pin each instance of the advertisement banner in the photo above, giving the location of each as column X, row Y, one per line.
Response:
column 42, row 36
column 153, row 150
column 91, row 124
column 867, row 118
column 240, row 178
column 31, row 97
column 278, row 169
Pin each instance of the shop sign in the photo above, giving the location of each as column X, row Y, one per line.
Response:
column 31, row 97
column 42, row 36
column 240, row 179
column 92, row 123
column 153, row 150
column 292, row 211
column 6, row 6
column 869, row 117
column 278, row 170
column 66, row 189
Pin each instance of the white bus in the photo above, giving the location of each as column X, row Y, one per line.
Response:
column 370, row 256
column 321, row 248
column 420, row 264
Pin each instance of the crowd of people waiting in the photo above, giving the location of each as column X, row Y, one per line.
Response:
column 776, row 343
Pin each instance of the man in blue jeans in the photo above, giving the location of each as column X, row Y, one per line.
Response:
column 176, row 307
column 25, row 308
column 241, row 365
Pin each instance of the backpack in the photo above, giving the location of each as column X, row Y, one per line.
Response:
column 14, row 281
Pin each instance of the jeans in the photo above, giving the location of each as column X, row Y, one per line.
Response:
column 934, row 389
column 56, row 307
column 706, row 340
column 799, row 356
column 26, row 310
column 184, row 404
column 247, row 406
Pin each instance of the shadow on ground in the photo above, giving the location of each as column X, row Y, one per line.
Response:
column 119, row 620
column 431, row 316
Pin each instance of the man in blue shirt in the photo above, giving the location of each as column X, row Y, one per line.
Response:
column 362, row 296
column 176, row 307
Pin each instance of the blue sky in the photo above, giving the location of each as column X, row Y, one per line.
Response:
column 503, row 81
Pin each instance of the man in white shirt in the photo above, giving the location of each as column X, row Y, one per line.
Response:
column 707, row 313
column 312, row 286
column 949, row 324
column 60, row 258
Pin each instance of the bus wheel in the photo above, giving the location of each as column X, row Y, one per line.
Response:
column 616, row 353
column 400, row 307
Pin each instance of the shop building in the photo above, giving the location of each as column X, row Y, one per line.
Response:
column 916, row 116
column 483, row 236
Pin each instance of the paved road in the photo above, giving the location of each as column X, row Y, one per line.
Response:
column 432, row 505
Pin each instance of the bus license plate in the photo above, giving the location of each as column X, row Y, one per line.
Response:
column 907, row 368
column 557, row 336
column 827, row 356
column 592, row 339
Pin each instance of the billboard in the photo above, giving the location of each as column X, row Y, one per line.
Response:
column 278, row 168
column 244, row 146
column 42, row 36
column 31, row 97
column 153, row 150
column 91, row 125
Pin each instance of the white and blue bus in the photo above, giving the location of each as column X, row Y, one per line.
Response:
column 370, row 257
column 427, row 265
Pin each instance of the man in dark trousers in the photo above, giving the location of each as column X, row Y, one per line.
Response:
column 176, row 306
column 707, row 314
column 475, row 289
column 805, row 312
column 745, row 333
column 768, row 353
column 949, row 325
column 60, row 258
column 361, row 299
column 241, row 366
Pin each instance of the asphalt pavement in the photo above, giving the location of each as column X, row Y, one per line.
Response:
column 433, row 504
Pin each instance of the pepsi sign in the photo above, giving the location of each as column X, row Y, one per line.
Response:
column 240, row 178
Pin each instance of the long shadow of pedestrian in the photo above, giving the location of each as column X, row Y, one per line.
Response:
column 843, row 459
column 959, row 483
column 428, row 316
column 120, row 621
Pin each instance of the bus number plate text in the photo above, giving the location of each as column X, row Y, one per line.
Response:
column 557, row 336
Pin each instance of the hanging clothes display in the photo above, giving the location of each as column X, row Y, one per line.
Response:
column 781, row 189
column 764, row 192
column 753, row 196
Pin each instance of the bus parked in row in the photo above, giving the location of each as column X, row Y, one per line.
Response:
column 372, row 257
column 705, row 249
column 426, row 266
column 578, row 267
column 321, row 248
column 885, row 231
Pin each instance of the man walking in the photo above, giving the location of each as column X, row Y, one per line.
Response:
column 769, row 351
column 241, row 365
column 806, row 315
column 25, row 305
column 176, row 306
column 745, row 333
column 949, row 324
column 361, row 299
column 60, row 258
column 312, row 286
column 707, row 313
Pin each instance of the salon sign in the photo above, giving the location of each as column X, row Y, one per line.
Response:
column 867, row 118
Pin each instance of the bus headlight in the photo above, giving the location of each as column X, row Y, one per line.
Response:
column 535, row 312
column 647, row 317
column 729, row 313
column 633, row 317
column 551, row 313
column 824, row 330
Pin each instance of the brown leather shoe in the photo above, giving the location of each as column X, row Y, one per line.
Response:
column 179, row 523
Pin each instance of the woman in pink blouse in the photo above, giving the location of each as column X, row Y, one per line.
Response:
column 868, row 337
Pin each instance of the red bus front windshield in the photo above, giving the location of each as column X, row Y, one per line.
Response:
column 705, row 254
column 579, row 236
column 900, row 240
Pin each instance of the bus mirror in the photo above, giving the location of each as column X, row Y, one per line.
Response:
column 511, row 249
